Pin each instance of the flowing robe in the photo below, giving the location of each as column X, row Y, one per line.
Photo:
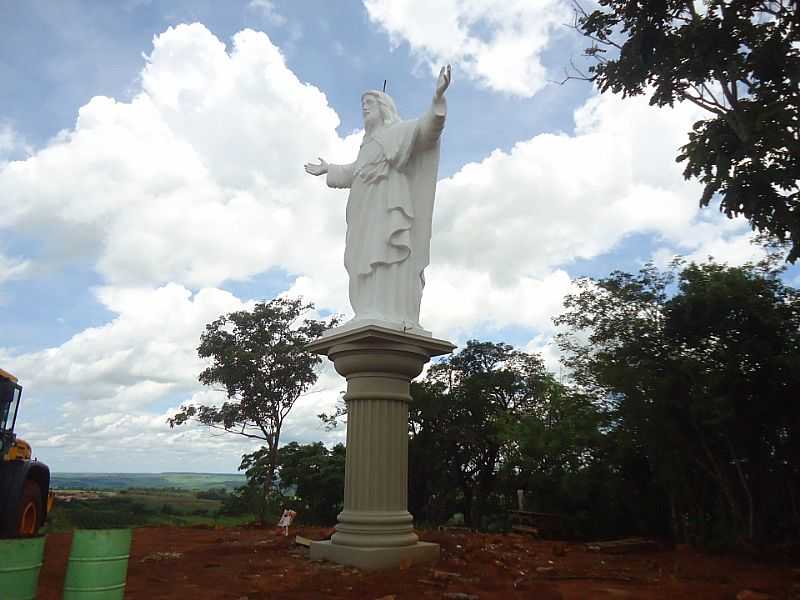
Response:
column 389, row 212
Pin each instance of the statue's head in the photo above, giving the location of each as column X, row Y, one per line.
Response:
column 378, row 109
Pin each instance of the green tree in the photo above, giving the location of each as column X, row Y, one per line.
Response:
column 318, row 476
column 557, row 452
column 433, row 487
column 259, row 358
column 700, row 386
column 737, row 59
column 458, row 417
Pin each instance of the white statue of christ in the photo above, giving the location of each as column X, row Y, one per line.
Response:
column 390, row 208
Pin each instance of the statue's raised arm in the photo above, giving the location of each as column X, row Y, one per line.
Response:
column 390, row 208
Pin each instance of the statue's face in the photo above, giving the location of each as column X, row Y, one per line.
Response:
column 371, row 110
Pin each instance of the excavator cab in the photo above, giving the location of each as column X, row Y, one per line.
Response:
column 10, row 395
column 25, row 497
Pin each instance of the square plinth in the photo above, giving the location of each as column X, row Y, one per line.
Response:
column 366, row 336
column 371, row 559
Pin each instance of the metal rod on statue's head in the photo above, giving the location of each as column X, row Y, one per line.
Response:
column 384, row 86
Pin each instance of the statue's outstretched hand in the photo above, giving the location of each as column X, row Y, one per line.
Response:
column 319, row 169
column 443, row 82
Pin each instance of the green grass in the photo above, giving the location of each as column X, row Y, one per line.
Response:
column 140, row 508
column 122, row 481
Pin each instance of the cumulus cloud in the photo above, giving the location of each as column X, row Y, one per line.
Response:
column 459, row 299
column 108, row 380
column 123, row 441
column 495, row 42
column 199, row 178
column 556, row 198
column 146, row 352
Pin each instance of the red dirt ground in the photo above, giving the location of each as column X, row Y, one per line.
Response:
column 254, row 564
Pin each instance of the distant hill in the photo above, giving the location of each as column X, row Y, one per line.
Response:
column 123, row 481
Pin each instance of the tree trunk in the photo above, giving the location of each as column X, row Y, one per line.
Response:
column 676, row 521
column 467, row 490
column 727, row 493
column 748, row 493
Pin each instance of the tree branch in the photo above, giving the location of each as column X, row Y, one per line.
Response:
column 579, row 10
column 223, row 428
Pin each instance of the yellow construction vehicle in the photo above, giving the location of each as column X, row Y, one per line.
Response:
column 25, row 497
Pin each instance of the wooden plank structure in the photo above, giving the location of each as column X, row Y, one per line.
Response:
column 546, row 525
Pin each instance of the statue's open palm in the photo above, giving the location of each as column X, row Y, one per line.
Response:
column 319, row 169
column 443, row 82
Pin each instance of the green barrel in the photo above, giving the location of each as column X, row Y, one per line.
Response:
column 20, row 562
column 98, row 564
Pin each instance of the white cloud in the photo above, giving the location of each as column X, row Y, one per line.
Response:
column 267, row 9
column 556, row 198
column 495, row 42
column 459, row 299
column 734, row 250
column 146, row 352
column 199, row 178
column 12, row 144
column 105, row 381
column 13, row 268
column 7, row 138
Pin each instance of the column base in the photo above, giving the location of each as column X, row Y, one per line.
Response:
column 371, row 559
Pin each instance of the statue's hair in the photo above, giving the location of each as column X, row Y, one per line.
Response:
column 386, row 106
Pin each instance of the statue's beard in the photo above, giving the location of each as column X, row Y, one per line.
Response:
column 372, row 122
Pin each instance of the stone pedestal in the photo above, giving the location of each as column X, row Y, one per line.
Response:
column 375, row 529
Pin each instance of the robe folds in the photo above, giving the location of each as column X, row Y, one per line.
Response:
column 389, row 213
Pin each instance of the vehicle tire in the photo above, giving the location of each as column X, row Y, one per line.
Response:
column 30, row 510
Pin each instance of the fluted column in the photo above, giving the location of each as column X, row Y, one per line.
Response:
column 375, row 529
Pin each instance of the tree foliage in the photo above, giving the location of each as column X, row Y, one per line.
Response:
column 317, row 475
column 699, row 371
column 737, row 59
column 259, row 359
column 458, row 423
column 679, row 420
column 491, row 420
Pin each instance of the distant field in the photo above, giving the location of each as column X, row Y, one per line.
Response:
column 99, row 500
column 124, row 481
column 136, row 508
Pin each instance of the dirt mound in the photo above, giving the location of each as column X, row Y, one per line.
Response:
column 254, row 564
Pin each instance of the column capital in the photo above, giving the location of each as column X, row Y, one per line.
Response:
column 375, row 337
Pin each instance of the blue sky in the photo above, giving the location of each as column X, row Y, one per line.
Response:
column 151, row 179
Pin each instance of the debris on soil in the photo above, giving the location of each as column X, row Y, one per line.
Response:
column 546, row 570
column 525, row 529
column 301, row 541
column 752, row 595
column 460, row 596
column 163, row 556
column 444, row 575
column 625, row 546
column 264, row 542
